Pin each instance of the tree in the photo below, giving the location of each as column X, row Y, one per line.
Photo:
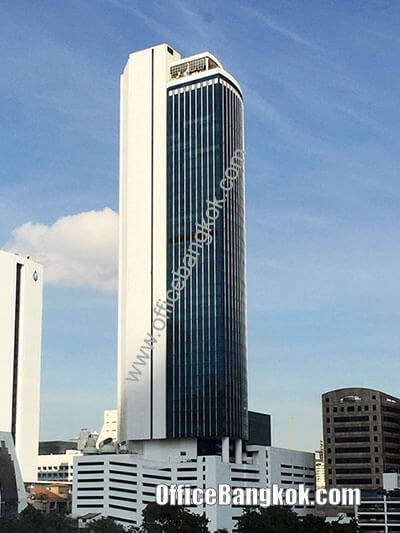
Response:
column 104, row 525
column 273, row 519
column 172, row 519
column 314, row 524
column 56, row 522
column 277, row 519
column 30, row 520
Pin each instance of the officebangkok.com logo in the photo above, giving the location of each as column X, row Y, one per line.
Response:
column 203, row 236
column 250, row 496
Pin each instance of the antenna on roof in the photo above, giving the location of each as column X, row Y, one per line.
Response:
column 291, row 433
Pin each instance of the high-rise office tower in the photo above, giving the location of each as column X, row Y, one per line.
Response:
column 181, row 122
column 183, row 405
column 361, row 437
column 21, row 290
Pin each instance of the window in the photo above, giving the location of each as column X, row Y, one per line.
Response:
column 364, row 449
column 351, row 439
column 353, row 470
column 351, row 481
column 395, row 451
column 352, row 460
column 335, row 409
column 390, row 419
column 351, row 418
column 351, row 429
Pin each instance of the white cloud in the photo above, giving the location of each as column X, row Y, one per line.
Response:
column 77, row 250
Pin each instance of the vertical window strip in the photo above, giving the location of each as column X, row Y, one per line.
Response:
column 208, row 266
column 178, row 306
column 231, row 280
column 190, row 281
column 171, row 267
column 183, row 292
column 152, row 242
column 197, row 286
column 215, row 271
column 236, row 280
column 203, row 409
column 17, row 319
column 225, row 259
column 236, row 272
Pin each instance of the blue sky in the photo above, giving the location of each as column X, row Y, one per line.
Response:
column 321, row 86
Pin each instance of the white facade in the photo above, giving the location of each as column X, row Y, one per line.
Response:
column 57, row 467
column 120, row 486
column 110, row 427
column 382, row 512
column 142, row 238
column 291, row 468
column 391, row 481
column 379, row 515
column 21, row 289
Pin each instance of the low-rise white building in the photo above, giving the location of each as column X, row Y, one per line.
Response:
column 291, row 468
column 121, row 485
column 57, row 467
column 381, row 513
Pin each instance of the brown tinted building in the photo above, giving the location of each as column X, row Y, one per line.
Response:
column 362, row 437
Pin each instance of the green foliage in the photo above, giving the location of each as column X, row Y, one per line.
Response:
column 282, row 520
column 172, row 519
column 104, row 525
column 268, row 520
column 30, row 520
column 314, row 524
column 33, row 521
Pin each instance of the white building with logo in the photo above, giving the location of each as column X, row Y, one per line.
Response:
column 21, row 288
